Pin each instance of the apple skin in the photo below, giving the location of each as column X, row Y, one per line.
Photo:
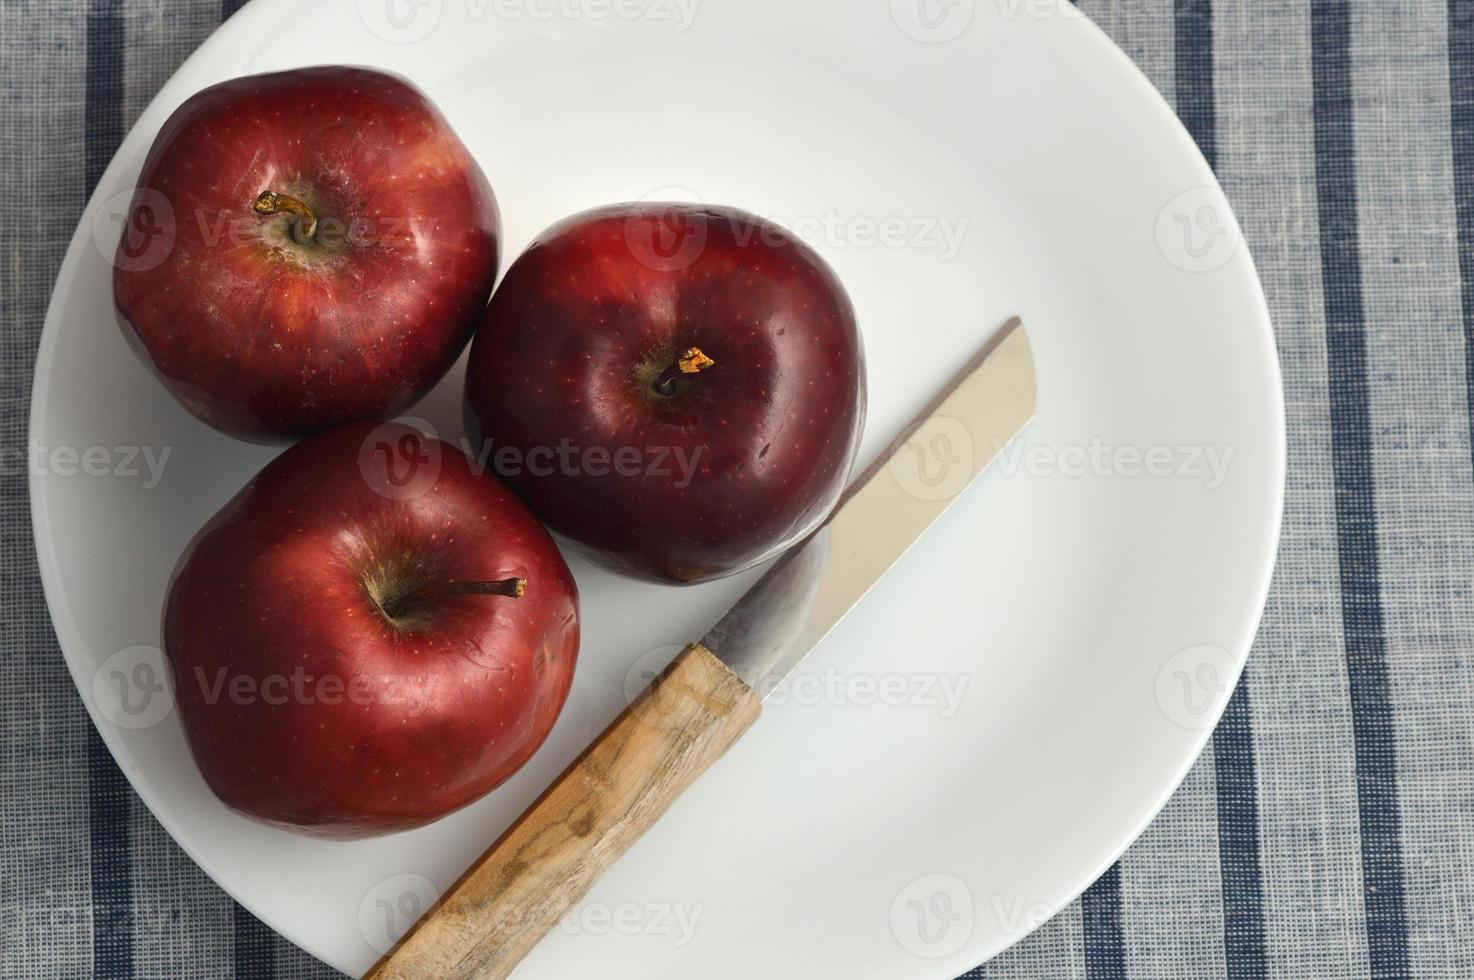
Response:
column 403, row 720
column 265, row 337
column 592, row 312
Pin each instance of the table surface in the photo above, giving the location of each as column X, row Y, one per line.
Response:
column 1329, row 830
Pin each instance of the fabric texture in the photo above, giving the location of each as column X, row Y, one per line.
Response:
column 1329, row 830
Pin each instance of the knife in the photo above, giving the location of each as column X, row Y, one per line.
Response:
column 706, row 699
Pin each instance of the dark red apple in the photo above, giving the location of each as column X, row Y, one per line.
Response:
column 305, row 249
column 678, row 388
column 369, row 636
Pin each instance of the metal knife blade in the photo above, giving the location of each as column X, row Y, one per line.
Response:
column 810, row 589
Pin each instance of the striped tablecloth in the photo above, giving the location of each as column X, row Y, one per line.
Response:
column 1328, row 833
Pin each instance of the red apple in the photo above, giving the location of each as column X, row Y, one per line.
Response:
column 304, row 249
column 680, row 389
column 369, row 636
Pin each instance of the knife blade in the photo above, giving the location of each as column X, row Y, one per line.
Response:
column 705, row 700
column 810, row 589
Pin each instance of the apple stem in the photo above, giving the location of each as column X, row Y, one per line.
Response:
column 270, row 202
column 511, row 588
column 691, row 361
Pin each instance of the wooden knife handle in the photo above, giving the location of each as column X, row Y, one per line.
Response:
column 547, row 861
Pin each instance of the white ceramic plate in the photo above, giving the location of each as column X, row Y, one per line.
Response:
column 1091, row 599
